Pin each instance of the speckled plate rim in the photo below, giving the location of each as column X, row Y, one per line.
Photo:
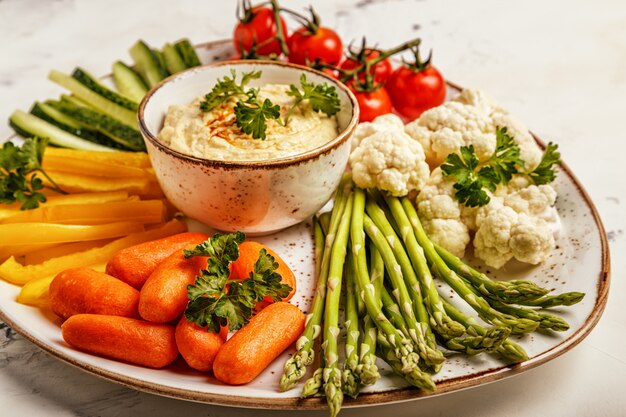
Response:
column 366, row 399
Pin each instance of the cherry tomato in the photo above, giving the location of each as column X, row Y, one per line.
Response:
column 414, row 92
column 372, row 104
column 259, row 29
column 325, row 46
column 381, row 70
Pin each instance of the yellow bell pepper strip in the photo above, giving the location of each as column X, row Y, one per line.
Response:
column 93, row 168
column 130, row 159
column 36, row 292
column 74, row 183
column 147, row 211
column 21, row 250
column 33, row 233
column 39, row 256
column 16, row 273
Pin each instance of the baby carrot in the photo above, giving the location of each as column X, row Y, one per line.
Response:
column 197, row 345
column 248, row 255
column 245, row 355
column 134, row 265
column 163, row 297
column 84, row 290
column 135, row 341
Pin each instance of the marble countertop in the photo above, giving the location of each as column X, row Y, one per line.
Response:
column 558, row 66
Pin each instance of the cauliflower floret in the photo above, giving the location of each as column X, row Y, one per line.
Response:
column 505, row 234
column 442, row 215
column 385, row 122
column 444, row 129
column 390, row 161
column 470, row 118
column 533, row 200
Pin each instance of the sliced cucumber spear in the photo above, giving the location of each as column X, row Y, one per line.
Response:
column 148, row 63
column 28, row 125
column 126, row 116
column 173, row 61
column 129, row 82
column 94, row 85
column 188, row 53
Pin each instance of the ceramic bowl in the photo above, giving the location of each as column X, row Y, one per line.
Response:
column 255, row 197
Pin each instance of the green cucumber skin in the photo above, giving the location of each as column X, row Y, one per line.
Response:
column 147, row 64
column 48, row 112
column 124, row 115
column 28, row 125
column 91, row 83
column 173, row 61
column 119, row 132
column 188, row 53
column 128, row 81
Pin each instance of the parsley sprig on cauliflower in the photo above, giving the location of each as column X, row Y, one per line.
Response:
column 517, row 213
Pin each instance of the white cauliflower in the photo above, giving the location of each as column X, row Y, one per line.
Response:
column 442, row 215
column 515, row 224
column 385, row 122
column 505, row 234
column 390, row 161
column 470, row 118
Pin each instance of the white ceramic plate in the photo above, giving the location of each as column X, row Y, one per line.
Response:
column 580, row 263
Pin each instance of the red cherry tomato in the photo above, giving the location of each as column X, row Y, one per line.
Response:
column 259, row 29
column 381, row 71
column 414, row 92
column 372, row 104
column 325, row 46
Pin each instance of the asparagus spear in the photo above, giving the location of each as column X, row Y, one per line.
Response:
column 367, row 370
column 416, row 377
column 318, row 239
column 417, row 331
column 440, row 321
column 351, row 380
column 332, row 373
column 516, row 291
column 313, row 385
column 565, row 299
column 491, row 340
column 482, row 307
column 508, row 349
column 295, row 367
column 402, row 347
column 546, row 321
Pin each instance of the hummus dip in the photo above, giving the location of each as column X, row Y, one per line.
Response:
column 215, row 135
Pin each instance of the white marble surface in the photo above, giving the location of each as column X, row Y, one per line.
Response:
column 557, row 65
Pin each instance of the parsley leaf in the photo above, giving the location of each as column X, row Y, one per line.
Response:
column 214, row 300
column 251, row 116
column 323, row 97
column 227, row 87
column 473, row 177
column 544, row 173
column 19, row 167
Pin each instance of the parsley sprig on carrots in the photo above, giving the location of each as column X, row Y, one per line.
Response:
column 252, row 113
column 215, row 300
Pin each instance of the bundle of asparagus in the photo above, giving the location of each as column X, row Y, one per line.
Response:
column 373, row 247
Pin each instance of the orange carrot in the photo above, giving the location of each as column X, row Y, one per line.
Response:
column 134, row 265
column 248, row 255
column 83, row 290
column 245, row 355
column 135, row 341
column 163, row 297
column 197, row 345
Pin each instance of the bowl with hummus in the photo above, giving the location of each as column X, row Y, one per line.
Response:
column 255, row 146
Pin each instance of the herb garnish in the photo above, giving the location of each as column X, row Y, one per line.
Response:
column 214, row 300
column 251, row 114
column 19, row 166
column 473, row 176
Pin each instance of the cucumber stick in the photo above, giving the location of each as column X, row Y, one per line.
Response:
column 147, row 63
column 128, row 81
column 94, row 85
column 92, row 119
column 28, row 125
column 173, row 61
column 47, row 111
column 126, row 116
column 188, row 53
